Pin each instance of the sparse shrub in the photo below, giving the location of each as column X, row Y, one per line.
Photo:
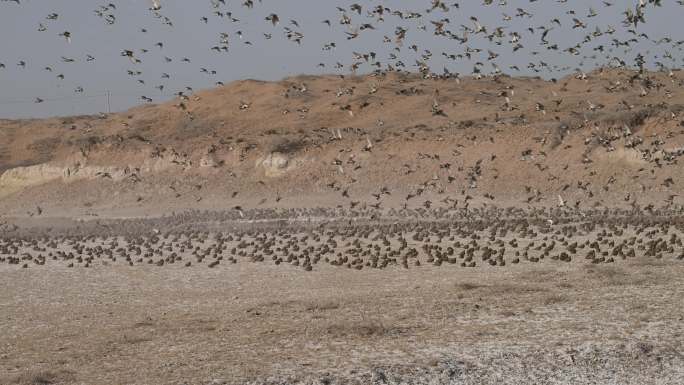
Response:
column 322, row 306
column 467, row 286
column 286, row 145
column 554, row 299
column 43, row 377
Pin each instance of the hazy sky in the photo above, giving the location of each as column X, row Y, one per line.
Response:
column 191, row 37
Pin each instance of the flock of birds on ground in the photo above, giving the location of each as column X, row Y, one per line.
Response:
column 499, row 238
column 485, row 47
column 489, row 238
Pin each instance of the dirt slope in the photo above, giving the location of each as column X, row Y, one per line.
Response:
column 611, row 137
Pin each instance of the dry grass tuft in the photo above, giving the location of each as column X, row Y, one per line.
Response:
column 134, row 340
column 44, row 377
column 615, row 276
column 143, row 324
column 286, row 146
column 554, row 299
column 498, row 289
column 468, row 286
column 366, row 328
column 650, row 262
column 322, row 306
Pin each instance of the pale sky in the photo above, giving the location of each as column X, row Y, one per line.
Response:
column 275, row 58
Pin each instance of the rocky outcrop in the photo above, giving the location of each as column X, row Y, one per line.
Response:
column 21, row 177
column 274, row 164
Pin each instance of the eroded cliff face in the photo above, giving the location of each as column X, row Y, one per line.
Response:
column 154, row 172
column 18, row 178
column 25, row 177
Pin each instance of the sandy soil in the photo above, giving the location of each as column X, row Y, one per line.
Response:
column 253, row 321
column 177, row 326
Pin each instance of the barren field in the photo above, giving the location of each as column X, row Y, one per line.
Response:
column 206, row 307
column 546, row 324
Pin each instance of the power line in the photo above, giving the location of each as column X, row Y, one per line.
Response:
column 108, row 94
column 55, row 99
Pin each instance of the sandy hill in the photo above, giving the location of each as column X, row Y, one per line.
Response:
column 610, row 137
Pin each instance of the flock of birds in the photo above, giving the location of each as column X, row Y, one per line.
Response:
column 486, row 47
column 491, row 238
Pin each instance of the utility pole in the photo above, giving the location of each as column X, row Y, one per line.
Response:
column 109, row 105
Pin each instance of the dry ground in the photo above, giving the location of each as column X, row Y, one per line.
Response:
column 541, row 323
